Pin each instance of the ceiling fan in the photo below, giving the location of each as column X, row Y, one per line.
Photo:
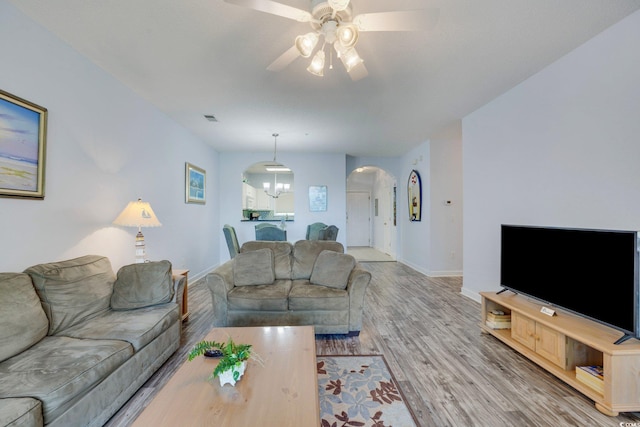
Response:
column 333, row 21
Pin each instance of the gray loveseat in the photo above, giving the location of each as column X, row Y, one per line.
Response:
column 311, row 282
column 77, row 341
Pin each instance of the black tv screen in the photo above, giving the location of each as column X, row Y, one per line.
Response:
column 593, row 273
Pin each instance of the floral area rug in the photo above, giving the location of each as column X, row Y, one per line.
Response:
column 360, row 391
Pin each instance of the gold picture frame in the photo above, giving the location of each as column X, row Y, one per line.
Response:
column 195, row 180
column 23, row 135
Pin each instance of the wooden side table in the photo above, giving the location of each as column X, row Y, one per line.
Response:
column 185, row 302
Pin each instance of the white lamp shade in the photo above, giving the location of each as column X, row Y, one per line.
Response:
column 305, row 44
column 137, row 214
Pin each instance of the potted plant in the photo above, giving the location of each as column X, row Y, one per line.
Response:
column 233, row 358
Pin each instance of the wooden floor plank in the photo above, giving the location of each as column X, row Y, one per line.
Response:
column 450, row 373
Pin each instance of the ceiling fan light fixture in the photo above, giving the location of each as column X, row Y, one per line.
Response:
column 338, row 5
column 317, row 64
column 306, row 43
column 347, row 35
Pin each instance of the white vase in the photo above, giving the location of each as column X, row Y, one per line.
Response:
column 228, row 375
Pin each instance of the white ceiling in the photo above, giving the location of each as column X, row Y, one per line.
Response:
column 197, row 57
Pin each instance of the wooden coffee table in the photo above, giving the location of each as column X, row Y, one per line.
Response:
column 283, row 392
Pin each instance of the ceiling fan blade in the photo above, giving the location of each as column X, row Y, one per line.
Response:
column 401, row 20
column 358, row 72
column 285, row 59
column 275, row 8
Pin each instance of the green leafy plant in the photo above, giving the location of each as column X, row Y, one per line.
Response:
column 232, row 355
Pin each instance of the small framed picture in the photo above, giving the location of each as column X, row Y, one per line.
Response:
column 23, row 131
column 195, row 184
column 317, row 198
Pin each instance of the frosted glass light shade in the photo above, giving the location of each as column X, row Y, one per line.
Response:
column 338, row 5
column 317, row 64
column 347, row 35
column 306, row 43
column 350, row 58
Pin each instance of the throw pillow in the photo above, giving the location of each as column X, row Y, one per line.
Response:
column 22, row 319
column 74, row 290
column 254, row 268
column 332, row 269
column 142, row 285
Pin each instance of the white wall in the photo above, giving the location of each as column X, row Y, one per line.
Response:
column 308, row 169
column 561, row 149
column 446, row 185
column 415, row 236
column 105, row 147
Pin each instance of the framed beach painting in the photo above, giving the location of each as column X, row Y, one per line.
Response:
column 23, row 131
column 195, row 184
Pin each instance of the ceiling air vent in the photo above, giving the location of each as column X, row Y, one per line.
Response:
column 210, row 117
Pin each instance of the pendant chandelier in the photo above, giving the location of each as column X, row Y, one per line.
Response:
column 275, row 167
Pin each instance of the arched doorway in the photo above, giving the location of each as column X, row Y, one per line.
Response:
column 371, row 212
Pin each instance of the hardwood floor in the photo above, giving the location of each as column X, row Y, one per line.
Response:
column 450, row 373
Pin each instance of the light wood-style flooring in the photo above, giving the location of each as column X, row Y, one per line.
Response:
column 450, row 373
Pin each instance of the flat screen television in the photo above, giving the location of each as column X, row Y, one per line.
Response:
column 592, row 273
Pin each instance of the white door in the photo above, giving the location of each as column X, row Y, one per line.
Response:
column 386, row 211
column 358, row 219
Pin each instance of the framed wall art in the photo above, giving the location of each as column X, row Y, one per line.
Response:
column 195, row 184
column 23, row 134
column 317, row 198
column 414, row 189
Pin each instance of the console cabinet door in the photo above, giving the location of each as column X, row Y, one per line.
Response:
column 551, row 345
column 545, row 341
column 523, row 330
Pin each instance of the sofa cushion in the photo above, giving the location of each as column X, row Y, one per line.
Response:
column 254, row 268
column 19, row 412
column 332, row 269
column 59, row 369
column 260, row 298
column 307, row 297
column 305, row 253
column 138, row 327
column 74, row 290
column 22, row 319
column 142, row 285
column 281, row 255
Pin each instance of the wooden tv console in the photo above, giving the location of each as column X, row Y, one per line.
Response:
column 561, row 342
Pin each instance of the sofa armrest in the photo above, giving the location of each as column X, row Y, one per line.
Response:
column 178, row 291
column 359, row 280
column 220, row 282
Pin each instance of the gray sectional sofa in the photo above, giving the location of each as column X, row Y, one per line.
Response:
column 311, row 282
column 77, row 341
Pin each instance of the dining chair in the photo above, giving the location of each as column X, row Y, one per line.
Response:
column 328, row 233
column 270, row 232
column 232, row 240
column 313, row 230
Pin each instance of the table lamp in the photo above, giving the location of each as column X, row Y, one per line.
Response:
column 138, row 214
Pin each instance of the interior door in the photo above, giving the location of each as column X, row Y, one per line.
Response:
column 358, row 219
column 387, row 213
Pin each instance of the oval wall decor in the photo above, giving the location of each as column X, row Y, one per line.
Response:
column 414, row 188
